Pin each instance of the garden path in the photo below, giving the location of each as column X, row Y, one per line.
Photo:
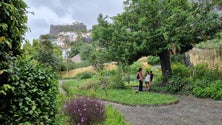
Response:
column 189, row 111
column 60, row 87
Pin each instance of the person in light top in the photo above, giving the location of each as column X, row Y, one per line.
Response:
column 147, row 81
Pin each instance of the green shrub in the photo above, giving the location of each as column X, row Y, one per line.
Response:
column 179, row 85
column 116, row 80
column 214, row 91
column 157, row 87
column 113, row 117
column 201, row 83
column 200, row 70
column 198, row 80
column 178, row 58
column 61, row 118
column 181, row 70
column 153, row 60
column 71, row 65
column 89, row 84
column 213, row 74
column 133, row 77
column 33, row 97
column 134, row 67
column 84, row 75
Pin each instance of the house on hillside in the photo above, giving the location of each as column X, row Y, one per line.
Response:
column 70, row 36
column 76, row 58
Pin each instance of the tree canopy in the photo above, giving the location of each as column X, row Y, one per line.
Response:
column 47, row 53
column 154, row 27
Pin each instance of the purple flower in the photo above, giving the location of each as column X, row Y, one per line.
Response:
column 65, row 106
column 84, row 110
column 82, row 120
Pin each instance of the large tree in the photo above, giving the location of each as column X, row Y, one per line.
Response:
column 48, row 54
column 154, row 27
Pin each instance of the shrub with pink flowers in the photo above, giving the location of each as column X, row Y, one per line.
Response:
column 85, row 110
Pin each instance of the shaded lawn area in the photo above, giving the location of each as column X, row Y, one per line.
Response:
column 126, row 96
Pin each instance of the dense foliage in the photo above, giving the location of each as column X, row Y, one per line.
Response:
column 67, row 65
column 45, row 52
column 84, row 75
column 32, row 94
column 215, row 43
column 12, row 28
column 113, row 116
column 154, row 27
column 198, row 80
column 75, row 48
column 153, row 60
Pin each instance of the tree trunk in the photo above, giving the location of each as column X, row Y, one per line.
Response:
column 165, row 66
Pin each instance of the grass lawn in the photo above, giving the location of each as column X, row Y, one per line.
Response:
column 123, row 96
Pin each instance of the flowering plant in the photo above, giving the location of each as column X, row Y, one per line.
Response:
column 85, row 111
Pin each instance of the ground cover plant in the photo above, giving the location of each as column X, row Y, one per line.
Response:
column 113, row 117
column 124, row 96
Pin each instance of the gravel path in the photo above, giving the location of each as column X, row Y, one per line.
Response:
column 60, row 87
column 189, row 111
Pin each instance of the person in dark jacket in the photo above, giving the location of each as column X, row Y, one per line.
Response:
column 140, row 79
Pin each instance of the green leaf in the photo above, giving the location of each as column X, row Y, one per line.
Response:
column 2, row 39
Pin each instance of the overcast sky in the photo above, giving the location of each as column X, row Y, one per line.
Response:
column 56, row 12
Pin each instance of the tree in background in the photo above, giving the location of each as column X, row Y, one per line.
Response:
column 30, row 50
column 75, row 48
column 86, row 51
column 45, row 52
column 154, row 27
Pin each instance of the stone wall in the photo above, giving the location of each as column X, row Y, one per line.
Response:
column 211, row 56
